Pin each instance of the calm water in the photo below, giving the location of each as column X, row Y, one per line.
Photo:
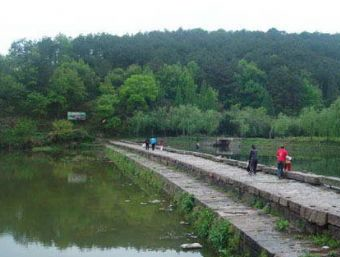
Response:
column 318, row 157
column 79, row 206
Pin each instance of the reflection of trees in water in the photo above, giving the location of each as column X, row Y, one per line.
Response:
column 45, row 208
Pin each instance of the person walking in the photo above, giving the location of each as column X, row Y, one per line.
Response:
column 153, row 142
column 281, row 156
column 252, row 163
column 146, row 142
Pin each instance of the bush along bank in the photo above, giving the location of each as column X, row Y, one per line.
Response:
column 26, row 134
column 217, row 232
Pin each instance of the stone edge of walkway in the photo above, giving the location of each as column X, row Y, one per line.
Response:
column 317, row 219
column 252, row 243
column 313, row 179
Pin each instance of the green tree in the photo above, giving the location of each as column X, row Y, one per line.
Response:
column 207, row 98
column 286, row 88
column 12, row 95
column 251, row 122
column 251, row 82
column 186, row 118
column 105, row 109
column 210, row 121
column 285, row 125
column 21, row 135
column 86, row 75
column 115, row 78
column 138, row 93
column 37, row 104
column 308, row 121
column 66, row 89
column 312, row 93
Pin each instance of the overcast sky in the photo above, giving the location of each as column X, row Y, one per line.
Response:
column 34, row 19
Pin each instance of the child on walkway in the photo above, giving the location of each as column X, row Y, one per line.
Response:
column 288, row 163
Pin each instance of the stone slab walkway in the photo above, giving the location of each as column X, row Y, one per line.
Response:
column 256, row 226
column 317, row 205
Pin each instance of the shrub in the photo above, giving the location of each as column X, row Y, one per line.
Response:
column 219, row 234
column 20, row 135
column 185, row 203
column 203, row 218
column 325, row 239
column 63, row 131
column 282, row 225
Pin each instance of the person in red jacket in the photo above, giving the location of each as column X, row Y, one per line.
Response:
column 281, row 155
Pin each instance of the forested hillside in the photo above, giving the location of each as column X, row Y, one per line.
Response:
column 183, row 82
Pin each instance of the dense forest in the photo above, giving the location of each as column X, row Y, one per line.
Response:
column 169, row 83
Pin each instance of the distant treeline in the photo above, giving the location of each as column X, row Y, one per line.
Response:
column 182, row 82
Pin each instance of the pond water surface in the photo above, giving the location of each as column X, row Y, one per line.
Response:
column 80, row 206
column 322, row 158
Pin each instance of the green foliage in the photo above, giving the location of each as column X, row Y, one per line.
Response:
column 286, row 126
column 310, row 255
column 11, row 94
column 282, row 225
column 203, row 219
column 325, row 239
column 332, row 254
column 251, row 90
column 267, row 209
column 219, row 234
column 258, row 203
column 312, row 93
column 206, row 225
column 63, row 131
column 66, row 90
column 263, row 254
column 140, row 175
column 250, row 122
column 184, row 119
column 286, row 88
column 138, row 92
column 177, row 84
column 192, row 78
column 37, row 104
column 21, row 135
column 185, row 202
column 207, row 98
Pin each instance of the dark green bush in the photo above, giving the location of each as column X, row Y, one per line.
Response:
column 185, row 203
column 63, row 131
column 203, row 218
column 325, row 239
column 219, row 234
column 282, row 225
column 19, row 134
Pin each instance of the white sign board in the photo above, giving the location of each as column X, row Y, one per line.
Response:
column 76, row 115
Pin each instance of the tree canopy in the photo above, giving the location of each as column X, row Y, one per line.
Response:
column 219, row 77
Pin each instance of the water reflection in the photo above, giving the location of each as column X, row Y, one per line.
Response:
column 76, row 178
column 47, row 209
column 10, row 248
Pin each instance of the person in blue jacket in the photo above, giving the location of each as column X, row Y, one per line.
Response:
column 153, row 142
